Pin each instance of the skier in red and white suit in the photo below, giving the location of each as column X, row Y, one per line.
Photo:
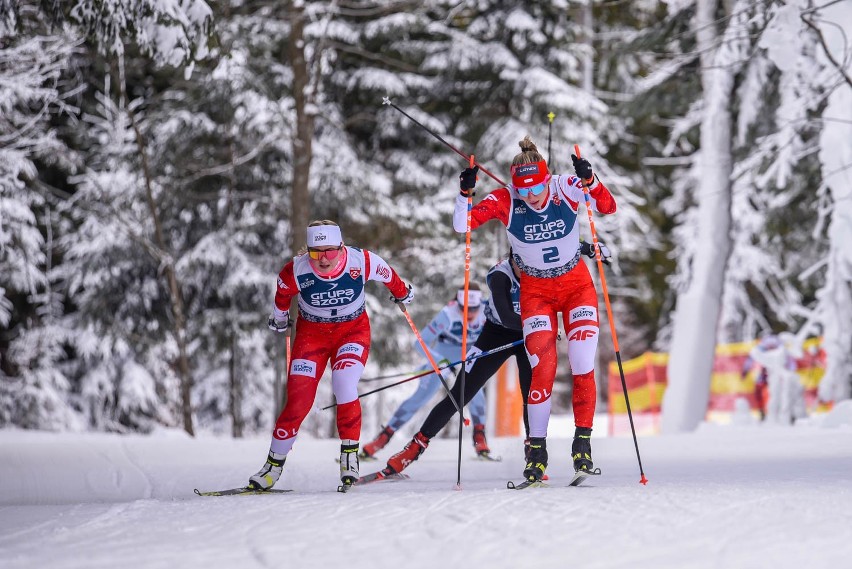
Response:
column 333, row 326
column 539, row 211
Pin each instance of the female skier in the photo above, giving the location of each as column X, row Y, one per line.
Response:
column 540, row 215
column 332, row 326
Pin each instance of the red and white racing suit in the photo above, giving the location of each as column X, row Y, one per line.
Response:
column 545, row 245
column 333, row 326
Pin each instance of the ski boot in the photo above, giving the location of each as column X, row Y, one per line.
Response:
column 480, row 444
column 537, row 462
column 527, row 456
column 371, row 448
column 581, row 450
column 270, row 473
column 348, row 462
column 412, row 451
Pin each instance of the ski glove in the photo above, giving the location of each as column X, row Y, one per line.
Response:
column 409, row 296
column 278, row 325
column 583, row 170
column 588, row 250
column 467, row 181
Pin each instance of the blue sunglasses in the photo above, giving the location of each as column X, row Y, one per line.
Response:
column 534, row 190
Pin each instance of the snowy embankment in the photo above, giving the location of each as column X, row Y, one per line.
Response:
column 755, row 496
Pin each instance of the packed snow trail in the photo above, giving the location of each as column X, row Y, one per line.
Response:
column 731, row 497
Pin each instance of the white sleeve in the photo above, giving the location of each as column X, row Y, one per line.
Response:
column 379, row 269
column 460, row 214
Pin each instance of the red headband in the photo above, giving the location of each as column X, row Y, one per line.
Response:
column 528, row 175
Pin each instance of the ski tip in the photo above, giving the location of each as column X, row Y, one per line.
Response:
column 528, row 483
column 486, row 456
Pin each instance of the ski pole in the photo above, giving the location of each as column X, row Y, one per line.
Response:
column 387, row 101
column 464, row 318
column 430, row 372
column 288, row 352
column 588, row 201
column 451, row 364
column 429, row 356
column 551, row 115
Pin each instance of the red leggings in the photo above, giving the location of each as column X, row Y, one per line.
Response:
column 572, row 294
column 346, row 345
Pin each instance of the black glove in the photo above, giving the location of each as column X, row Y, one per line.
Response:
column 583, row 169
column 588, row 250
column 467, row 180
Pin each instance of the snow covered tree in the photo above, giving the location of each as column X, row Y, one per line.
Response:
column 740, row 257
column 34, row 391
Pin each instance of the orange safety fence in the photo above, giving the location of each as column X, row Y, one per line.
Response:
column 646, row 380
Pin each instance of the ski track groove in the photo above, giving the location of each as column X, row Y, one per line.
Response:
column 148, row 491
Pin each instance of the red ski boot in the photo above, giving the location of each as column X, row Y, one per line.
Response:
column 371, row 448
column 480, row 444
column 415, row 447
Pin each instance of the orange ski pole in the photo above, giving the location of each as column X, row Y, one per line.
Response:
column 434, row 365
column 609, row 316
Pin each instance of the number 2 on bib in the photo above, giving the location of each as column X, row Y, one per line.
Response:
column 550, row 254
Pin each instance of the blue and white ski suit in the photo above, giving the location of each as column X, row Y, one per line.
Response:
column 443, row 338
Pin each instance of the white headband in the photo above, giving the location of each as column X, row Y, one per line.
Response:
column 323, row 235
column 474, row 298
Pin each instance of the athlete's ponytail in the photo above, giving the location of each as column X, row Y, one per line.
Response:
column 529, row 152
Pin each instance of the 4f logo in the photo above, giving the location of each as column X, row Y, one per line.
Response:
column 582, row 334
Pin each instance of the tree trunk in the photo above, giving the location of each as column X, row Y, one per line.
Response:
column 174, row 288
column 698, row 307
column 302, row 154
column 303, row 141
column 236, row 392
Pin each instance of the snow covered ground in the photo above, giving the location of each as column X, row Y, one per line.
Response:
column 727, row 497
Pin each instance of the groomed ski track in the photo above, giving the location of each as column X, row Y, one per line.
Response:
column 732, row 497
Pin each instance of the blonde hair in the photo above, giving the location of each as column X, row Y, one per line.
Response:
column 529, row 152
column 314, row 223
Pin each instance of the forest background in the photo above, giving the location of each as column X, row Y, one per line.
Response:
column 159, row 160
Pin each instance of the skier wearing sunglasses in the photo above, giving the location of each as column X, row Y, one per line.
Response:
column 539, row 211
column 329, row 279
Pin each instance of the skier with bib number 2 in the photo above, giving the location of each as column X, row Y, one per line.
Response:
column 539, row 211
